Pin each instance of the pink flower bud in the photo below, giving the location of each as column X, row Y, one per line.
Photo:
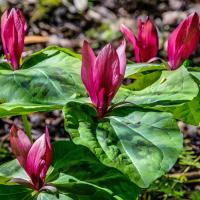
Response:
column 20, row 144
column 35, row 158
column 183, row 41
column 103, row 75
column 146, row 44
column 13, row 29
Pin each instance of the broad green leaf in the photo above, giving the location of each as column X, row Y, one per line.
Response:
column 140, row 143
column 173, row 87
column 76, row 189
column 79, row 162
column 141, row 81
column 46, row 81
column 140, row 75
column 186, row 112
column 12, row 169
column 15, row 192
column 77, row 174
column 133, row 69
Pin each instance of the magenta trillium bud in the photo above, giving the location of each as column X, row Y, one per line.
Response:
column 183, row 41
column 35, row 158
column 146, row 44
column 103, row 75
column 13, row 29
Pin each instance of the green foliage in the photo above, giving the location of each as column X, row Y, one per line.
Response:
column 133, row 70
column 187, row 112
column 15, row 192
column 171, row 88
column 164, row 189
column 4, row 153
column 140, row 143
column 189, row 158
column 195, row 195
column 47, row 80
column 168, row 91
column 173, row 186
column 143, row 142
column 51, row 77
column 77, row 175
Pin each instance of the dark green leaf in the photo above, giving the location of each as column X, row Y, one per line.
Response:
column 80, row 166
column 15, row 192
column 141, row 81
column 140, row 75
column 136, row 68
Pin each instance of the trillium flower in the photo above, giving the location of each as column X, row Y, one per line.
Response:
column 35, row 158
column 183, row 41
column 13, row 29
column 146, row 44
column 103, row 75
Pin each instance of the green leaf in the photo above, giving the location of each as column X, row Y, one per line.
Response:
column 11, row 170
column 139, row 76
column 186, row 112
column 80, row 166
column 14, row 192
column 195, row 195
column 141, row 144
column 133, row 69
column 47, row 80
column 173, row 87
column 142, row 81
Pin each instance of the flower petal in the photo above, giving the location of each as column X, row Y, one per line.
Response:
column 147, row 39
column 39, row 159
column 20, row 144
column 133, row 41
column 48, row 154
column 122, row 57
column 87, row 69
column 108, row 77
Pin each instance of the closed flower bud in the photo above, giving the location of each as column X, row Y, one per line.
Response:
column 13, row 29
column 35, row 158
column 103, row 75
column 146, row 44
column 183, row 41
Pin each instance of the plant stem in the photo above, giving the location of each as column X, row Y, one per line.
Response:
column 27, row 126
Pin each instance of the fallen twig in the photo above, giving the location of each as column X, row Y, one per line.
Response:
column 188, row 175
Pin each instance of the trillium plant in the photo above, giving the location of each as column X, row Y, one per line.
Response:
column 34, row 158
column 121, row 116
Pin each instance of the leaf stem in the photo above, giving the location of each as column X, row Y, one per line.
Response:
column 27, row 126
